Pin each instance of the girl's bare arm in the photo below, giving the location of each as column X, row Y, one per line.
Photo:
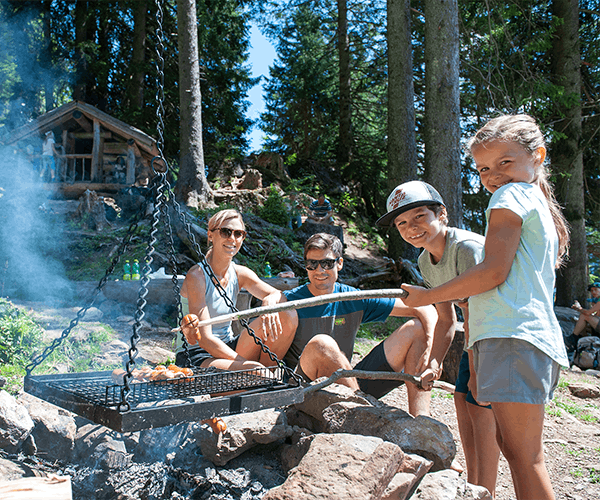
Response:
column 501, row 243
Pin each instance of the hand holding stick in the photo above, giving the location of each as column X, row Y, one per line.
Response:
column 299, row 304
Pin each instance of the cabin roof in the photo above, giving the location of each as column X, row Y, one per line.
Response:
column 61, row 116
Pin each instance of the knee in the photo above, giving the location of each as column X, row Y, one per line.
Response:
column 289, row 321
column 321, row 346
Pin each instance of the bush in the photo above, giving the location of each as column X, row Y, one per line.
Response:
column 20, row 335
column 274, row 209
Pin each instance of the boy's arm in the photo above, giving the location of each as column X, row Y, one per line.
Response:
column 442, row 338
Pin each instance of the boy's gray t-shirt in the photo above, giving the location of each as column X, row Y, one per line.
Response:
column 463, row 250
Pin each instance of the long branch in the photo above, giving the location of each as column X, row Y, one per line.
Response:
column 404, row 377
column 301, row 303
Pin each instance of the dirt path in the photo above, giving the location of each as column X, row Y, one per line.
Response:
column 572, row 444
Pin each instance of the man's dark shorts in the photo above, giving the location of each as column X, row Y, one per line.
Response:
column 197, row 355
column 376, row 361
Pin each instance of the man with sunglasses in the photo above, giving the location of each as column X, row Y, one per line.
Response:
column 325, row 336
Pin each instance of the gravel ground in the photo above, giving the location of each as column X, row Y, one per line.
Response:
column 571, row 439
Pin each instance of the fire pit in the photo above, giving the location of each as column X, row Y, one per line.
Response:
column 206, row 394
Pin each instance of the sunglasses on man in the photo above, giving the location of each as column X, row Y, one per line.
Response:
column 225, row 232
column 326, row 264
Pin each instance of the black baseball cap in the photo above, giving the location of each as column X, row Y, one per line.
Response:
column 407, row 196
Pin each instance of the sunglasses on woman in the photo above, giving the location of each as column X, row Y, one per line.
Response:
column 225, row 232
column 326, row 264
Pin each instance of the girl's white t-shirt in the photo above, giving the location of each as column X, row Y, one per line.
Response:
column 523, row 306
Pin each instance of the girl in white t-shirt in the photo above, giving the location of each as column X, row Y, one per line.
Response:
column 516, row 339
column 418, row 212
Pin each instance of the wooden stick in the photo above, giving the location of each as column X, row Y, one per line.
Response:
column 404, row 377
column 301, row 303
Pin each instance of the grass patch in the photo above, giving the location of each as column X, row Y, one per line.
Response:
column 573, row 453
column 576, row 411
column 380, row 330
column 21, row 340
column 438, row 393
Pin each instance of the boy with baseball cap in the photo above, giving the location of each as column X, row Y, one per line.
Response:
column 419, row 214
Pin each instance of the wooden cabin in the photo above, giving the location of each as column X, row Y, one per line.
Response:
column 93, row 150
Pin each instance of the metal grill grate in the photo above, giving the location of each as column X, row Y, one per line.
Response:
column 100, row 389
column 157, row 403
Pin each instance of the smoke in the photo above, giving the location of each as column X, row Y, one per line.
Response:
column 31, row 239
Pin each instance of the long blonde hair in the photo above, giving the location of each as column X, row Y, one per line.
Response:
column 524, row 130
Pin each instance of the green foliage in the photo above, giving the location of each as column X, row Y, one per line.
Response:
column 19, row 335
column 380, row 330
column 274, row 209
column 576, row 411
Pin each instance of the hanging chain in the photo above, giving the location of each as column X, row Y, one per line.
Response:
column 160, row 111
column 160, row 80
column 257, row 340
column 159, row 200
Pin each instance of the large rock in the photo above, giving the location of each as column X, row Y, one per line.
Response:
column 172, row 444
column 412, row 469
column 422, row 435
column 15, row 423
column 243, row 432
column 447, row 485
column 100, row 448
column 341, row 466
column 309, row 413
column 54, row 430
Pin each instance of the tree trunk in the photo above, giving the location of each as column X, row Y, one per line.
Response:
column 79, row 87
column 85, row 32
column 135, row 90
column 345, row 132
column 442, row 104
column 567, row 155
column 48, row 63
column 402, row 146
column 192, row 189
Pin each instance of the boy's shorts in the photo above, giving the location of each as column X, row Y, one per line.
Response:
column 198, row 356
column 514, row 371
column 462, row 382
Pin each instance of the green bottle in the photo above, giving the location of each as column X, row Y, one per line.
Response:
column 135, row 270
column 126, row 271
column 268, row 270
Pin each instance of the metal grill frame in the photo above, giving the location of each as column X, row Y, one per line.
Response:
column 181, row 404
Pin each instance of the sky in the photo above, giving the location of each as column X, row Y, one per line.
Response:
column 262, row 54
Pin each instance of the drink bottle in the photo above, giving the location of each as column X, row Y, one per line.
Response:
column 268, row 270
column 126, row 271
column 135, row 270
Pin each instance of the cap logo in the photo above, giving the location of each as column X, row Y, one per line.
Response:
column 395, row 201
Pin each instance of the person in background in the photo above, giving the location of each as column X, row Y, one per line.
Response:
column 320, row 211
column 591, row 315
column 517, row 342
column 325, row 335
column 216, row 345
column 48, row 152
column 417, row 210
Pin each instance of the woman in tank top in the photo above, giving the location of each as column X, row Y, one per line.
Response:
column 216, row 345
